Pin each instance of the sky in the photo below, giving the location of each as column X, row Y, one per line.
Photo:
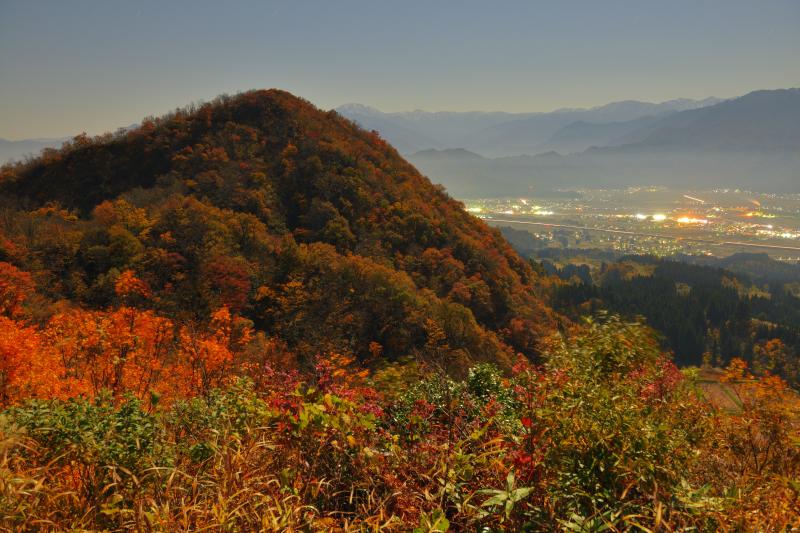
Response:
column 94, row 66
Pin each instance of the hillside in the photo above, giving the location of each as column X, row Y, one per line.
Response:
column 314, row 230
column 704, row 313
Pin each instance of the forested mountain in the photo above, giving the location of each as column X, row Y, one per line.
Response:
column 315, row 231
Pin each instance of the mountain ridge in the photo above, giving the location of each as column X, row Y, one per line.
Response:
column 476, row 130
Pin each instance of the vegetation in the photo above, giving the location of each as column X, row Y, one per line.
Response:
column 607, row 435
column 253, row 315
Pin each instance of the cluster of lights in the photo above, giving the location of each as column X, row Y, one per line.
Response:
column 781, row 234
column 658, row 217
column 692, row 220
column 752, row 220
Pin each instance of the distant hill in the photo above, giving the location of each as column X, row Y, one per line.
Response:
column 314, row 229
column 581, row 135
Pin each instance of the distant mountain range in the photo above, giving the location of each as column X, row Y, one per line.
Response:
column 496, row 134
column 747, row 142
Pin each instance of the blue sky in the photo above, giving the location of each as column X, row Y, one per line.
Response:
column 71, row 66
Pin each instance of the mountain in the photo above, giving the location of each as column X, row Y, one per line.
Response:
column 461, row 172
column 16, row 150
column 748, row 142
column 761, row 120
column 315, row 230
column 581, row 135
column 497, row 133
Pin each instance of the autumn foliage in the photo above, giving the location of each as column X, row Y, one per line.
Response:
column 253, row 315
column 606, row 435
column 269, row 207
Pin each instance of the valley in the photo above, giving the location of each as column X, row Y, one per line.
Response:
column 653, row 220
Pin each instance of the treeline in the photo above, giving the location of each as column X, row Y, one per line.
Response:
column 705, row 315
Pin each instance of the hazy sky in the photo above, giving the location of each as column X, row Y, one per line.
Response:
column 68, row 66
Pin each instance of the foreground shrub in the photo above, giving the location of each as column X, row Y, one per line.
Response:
column 606, row 435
